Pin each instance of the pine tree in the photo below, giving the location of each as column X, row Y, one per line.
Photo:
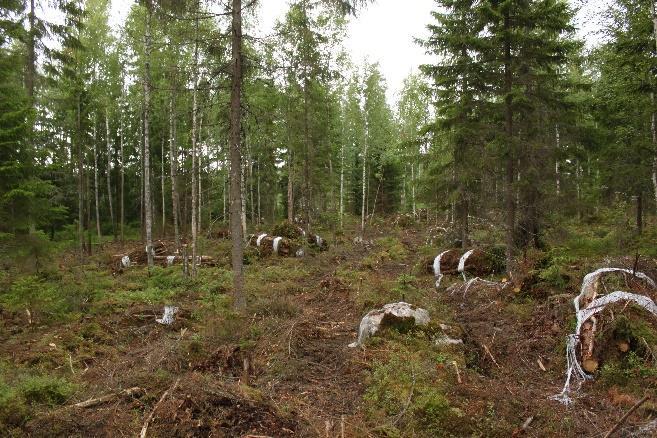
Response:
column 462, row 85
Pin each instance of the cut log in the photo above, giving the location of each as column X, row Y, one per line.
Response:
column 449, row 262
column 318, row 242
column 278, row 245
column 623, row 346
column 478, row 263
column 590, row 365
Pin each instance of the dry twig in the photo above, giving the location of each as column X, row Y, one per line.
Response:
column 626, row 416
column 96, row 401
column 144, row 428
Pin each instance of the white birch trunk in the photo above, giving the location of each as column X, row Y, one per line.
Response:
column 109, row 172
column 122, row 182
column 148, row 216
column 364, row 206
column 341, row 185
column 413, row 188
column 162, row 178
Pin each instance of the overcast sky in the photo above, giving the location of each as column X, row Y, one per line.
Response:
column 385, row 31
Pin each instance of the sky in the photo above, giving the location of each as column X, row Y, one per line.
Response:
column 385, row 32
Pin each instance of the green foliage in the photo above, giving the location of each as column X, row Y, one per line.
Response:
column 632, row 370
column 47, row 390
column 402, row 392
column 406, row 286
column 44, row 298
column 286, row 229
column 19, row 399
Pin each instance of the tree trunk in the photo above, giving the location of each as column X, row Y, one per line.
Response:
column 199, row 155
column 654, row 116
column 142, row 213
column 147, row 158
column 243, row 195
column 194, row 146
column 307, row 151
column 235, row 157
column 96, row 196
column 109, row 173
column 162, row 191
column 173, row 164
column 341, row 185
column 363, row 208
column 223, row 176
column 78, row 136
column 290, row 188
column 557, row 170
column 258, row 191
column 251, row 186
column 30, row 70
column 639, row 213
column 511, row 158
column 413, row 188
column 122, row 184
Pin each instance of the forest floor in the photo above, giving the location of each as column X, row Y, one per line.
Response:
column 81, row 332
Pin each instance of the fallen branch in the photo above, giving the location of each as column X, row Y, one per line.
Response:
column 96, row 401
column 458, row 374
column 626, row 416
column 144, row 428
column 491, row 355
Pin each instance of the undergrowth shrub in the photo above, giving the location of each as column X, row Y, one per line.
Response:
column 403, row 393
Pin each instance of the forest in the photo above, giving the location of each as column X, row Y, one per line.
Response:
column 207, row 229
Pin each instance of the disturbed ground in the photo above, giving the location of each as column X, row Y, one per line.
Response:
column 284, row 369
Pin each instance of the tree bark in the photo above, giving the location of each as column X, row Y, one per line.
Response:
column 290, row 188
column 511, row 158
column 147, row 158
column 162, row 191
column 290, row 170
column 258, row 191
column 235, row 157
column 30, row 70
column 194, row 146
column 363, row 208
column 199, row 154
column 96, row 196
column 243, row 195
column 654, row 115
column 173, row 164
column 341, row 185
column 122, row 183
column 109, row 173
column 307, row 154
column 639, row 213
column 78, row 136
column 557, row 170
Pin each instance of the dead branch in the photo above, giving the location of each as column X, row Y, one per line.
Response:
column 491, row 355
column 144, row 428
column 96, row 401
column 626, row 416
column 458, row 374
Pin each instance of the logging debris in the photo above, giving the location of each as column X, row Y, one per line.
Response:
column 587, row 305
